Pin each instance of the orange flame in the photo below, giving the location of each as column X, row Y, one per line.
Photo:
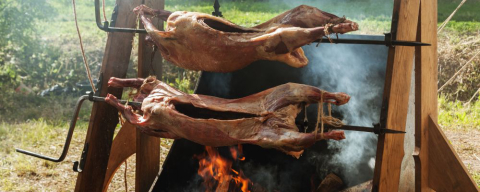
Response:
column 217, row 171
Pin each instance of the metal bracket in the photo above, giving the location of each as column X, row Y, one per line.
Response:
column 78, row 166
column 99, row 86
column 388, row 40
column 106, row 27
column 216, row 6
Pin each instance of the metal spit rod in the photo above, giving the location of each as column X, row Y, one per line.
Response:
column 377, row 128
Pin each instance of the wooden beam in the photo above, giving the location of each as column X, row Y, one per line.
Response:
column 148, row 147
column 123, row 146
column 104, row 117
column 446, row 171
column 390, row 150
column 425, row 89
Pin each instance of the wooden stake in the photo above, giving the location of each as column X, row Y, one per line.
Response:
column 148, row 147
column 390, row 149
column 104, row 117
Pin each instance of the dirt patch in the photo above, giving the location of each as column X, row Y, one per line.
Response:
column 467, row 145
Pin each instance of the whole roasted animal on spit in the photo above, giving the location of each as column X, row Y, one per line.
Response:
column 199, row 41
column 266, row 118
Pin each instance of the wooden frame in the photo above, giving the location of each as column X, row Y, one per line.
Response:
column 412, row 20
column 416, row 20
column 104, row 155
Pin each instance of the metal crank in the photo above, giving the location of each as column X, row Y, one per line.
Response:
column 78, row 166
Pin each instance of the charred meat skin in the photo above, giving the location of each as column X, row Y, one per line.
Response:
column 199, row 41
column 266, row 118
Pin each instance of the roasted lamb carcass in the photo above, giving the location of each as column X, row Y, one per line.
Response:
column 266, row 119
column 204, row 42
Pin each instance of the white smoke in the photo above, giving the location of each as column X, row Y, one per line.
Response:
column 354, row 70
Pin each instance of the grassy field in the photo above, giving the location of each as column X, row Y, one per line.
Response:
column 40, row 124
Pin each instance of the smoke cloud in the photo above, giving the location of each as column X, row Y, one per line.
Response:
column 359, row 71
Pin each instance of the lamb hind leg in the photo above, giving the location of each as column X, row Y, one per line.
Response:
column 126, row 111
column 121, row 83
column 292, row 93
column 162, row 14
column 304, row 16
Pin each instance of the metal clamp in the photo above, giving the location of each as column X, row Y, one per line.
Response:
column 78, row 166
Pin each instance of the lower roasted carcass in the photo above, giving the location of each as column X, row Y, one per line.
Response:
column 266, row 118
column 204, row 42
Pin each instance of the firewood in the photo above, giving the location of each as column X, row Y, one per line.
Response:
column 331, row 183
column 367, row 186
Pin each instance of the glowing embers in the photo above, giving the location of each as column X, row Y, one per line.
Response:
column 217, row 172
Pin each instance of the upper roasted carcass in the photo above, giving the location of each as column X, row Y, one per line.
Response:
column 266, row 118
column 200, row 41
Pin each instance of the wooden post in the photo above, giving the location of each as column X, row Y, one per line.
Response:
column 425, row 89
column 446, row 172
column 390, row 150
column 148, row 147
column 104, row 117
column 123, row 146
column 437, row 166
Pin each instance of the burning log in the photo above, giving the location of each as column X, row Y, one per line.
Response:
column 331, row 183
column 363, row 187
column 218, row 174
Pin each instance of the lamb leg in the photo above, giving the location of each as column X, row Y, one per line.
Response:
column 303, row 16
column 126, row 111
column 121, row 83
column 292, row 93
column 161, row 14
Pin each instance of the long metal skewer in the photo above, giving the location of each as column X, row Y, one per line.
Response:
column 377, row 129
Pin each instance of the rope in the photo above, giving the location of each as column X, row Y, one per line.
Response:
column 104, row 15
column 450, row 17
column 470, row 100
column 329, row 109
column 125, row 175
column 458, row 72
column 81, row 47
column 327, row 32
column 319, row 118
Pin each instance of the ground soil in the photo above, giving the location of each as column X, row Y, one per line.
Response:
column 467, row 145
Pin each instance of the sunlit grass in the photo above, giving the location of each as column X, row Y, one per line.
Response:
column 25, row 173
column 454, row 115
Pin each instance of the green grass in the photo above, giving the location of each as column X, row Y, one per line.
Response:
column 454, row 115
column 463, row 27
column 468, row 12
column 19, row 172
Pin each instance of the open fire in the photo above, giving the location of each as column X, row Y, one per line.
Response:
column 217, row 171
